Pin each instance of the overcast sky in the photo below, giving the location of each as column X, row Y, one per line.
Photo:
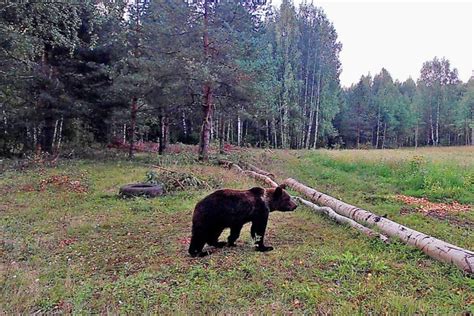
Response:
column 400, row 35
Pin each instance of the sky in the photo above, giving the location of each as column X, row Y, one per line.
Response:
column 400, row 35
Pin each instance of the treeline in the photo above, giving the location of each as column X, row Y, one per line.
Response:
column 239, row 72
column 438, row 109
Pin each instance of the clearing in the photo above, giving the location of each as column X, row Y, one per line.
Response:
column 69, row 244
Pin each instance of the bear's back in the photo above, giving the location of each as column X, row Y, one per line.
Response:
column 229, row 206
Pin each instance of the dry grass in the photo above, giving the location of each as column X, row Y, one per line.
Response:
column 462, row 156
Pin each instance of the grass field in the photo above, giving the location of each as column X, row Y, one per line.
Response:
column 80, row 249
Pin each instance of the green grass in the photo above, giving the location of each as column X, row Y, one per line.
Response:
column 95, row 253
column 370, row 179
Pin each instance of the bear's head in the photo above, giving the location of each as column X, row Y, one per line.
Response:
column 279, row 200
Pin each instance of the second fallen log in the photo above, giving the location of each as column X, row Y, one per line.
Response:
column 342, row 219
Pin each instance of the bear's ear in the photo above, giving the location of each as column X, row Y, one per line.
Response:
column 278, row 192
column 257, row 191
column 283, row 186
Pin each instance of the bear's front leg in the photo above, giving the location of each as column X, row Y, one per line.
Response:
column 259, row 225
column 196, row 245
column 234, row 235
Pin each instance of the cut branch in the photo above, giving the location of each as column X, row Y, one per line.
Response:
column 433, row 247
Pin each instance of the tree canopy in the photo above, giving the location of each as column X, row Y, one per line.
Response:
column 238, row 72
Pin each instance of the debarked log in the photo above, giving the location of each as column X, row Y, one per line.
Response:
column 433, row 247
column 258, row 170
column 261, row 177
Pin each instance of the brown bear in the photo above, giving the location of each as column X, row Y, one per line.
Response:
column 232, row 209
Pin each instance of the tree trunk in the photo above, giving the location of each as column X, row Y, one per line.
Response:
column 358, row 129
column 35, row 136
column 28, row 135
column 48, row 134
column 60, row 134
column 282, row 128
column 275, row 138
column 245, row 126
column 160, row 134
column 416, row 135
column 48, row 128
column 164, row 134
column 472, row 127
column 206, row 124
column 472, row 136
column 311, row 98
column 239, row 131
column 124, row 134
column 433, row 247
column 5, row 122
column 310, row 125
column 185, row 129
column 466, row 132
column 221, row 135
column 431, row 128
column 437, row 123
column 305, row 98
column 316, row 122
column 55, row 133
column 207, row 98
column 378, row 128
column 133, row 122
column 384, row 132
column 259, row 134
column 212, row 136
column 267, row 132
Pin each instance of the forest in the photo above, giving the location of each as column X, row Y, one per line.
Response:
column 125, row 73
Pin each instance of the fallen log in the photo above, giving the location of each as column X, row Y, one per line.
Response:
column 225, row 163
column 261, row 177
column 257, row 170
column 433, row 247
column 230, row 165
column 342, row 219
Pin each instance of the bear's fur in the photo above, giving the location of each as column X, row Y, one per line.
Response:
column 232, row 209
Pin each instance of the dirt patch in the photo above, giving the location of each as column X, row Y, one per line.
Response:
column 439, row 211
column 451, row 219
column 57, row 182
column 424, row 206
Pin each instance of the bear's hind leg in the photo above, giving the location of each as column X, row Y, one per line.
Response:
column 213, row 238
